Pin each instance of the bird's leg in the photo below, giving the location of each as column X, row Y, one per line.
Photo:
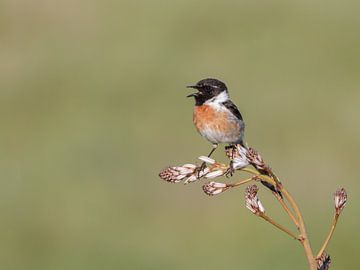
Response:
column 232, row 148
column 215, row 145
column 231, row 169
column 203, row 165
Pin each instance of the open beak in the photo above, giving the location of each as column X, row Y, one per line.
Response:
column 193, row 94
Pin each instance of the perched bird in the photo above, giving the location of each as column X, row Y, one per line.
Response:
column 217, row 118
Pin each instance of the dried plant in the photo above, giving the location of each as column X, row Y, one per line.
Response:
column 240, row 160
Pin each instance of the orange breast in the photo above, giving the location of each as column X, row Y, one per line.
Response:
column 205, row 117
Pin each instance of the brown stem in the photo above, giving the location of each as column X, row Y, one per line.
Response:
column 250, row 170
column 277, row 225
column 304, row 238
column 240, row 182
column 263, row 177
column 287, row 210
column 332, row 229
column 281, row 201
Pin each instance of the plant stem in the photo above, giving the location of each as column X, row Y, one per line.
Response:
column 241, row 182
column 281, row 201
column 277, row 225
column 332, row 229
column 262, row 176
column 250, row 170
column 287, row 210
column 304, row 238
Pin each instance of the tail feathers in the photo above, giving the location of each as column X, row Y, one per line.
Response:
column 272, row 188
column 243, row 144
column 268, row 185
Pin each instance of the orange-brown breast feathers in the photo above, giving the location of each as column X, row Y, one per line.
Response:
column 202, row 116
column 222, row 127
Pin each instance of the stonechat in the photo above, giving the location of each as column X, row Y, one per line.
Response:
column 215, row 116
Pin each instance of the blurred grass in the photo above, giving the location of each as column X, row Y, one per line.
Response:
column 92, row 104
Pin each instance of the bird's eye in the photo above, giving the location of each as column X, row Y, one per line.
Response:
column 207, row 87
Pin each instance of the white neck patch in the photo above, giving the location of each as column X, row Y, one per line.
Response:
column 220, row 98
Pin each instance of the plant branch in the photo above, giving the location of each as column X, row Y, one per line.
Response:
column 280, row 200
column 332, row 229
column 287, row 210
column 304, row 238
column 277, row 225
column 241, row 182
column 250, row 170
column 261, row 176
column 248, row 156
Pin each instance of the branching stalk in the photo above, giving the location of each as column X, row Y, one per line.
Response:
column 241, row 182
column 277, row 225
column 331, row 232
column 304, row 238
column 287, row 210
column 240, row 159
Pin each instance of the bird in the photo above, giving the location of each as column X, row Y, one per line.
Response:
column 218, row 119
column 215, row 116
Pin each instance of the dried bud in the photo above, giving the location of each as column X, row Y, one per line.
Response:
column 214, row 188
column 237, row 153
column 240, row 160
column 214, row 170
column 214, row 174
column 207, row 160
column 252, row 201
column 255, row 159
column 340, row 198
column 323, row 262
column 197, row 175
column 178, row 173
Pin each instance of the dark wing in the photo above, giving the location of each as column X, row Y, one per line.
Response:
column 233, row 109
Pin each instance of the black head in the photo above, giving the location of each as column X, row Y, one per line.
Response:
column 207, row 89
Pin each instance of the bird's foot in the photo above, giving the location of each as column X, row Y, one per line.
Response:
column 200, row 169
column 230, row 171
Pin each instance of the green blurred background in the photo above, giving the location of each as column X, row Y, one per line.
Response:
column 92, row 101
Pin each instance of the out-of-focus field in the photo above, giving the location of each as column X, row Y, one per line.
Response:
column 92, row 102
